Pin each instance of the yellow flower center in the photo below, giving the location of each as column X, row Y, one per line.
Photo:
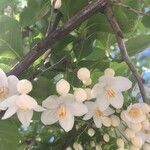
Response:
column 3, row 92
column 110, row 93
column 62, row 112
column 134, row 112
column 98, row 113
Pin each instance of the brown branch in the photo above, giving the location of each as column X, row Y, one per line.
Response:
column 56, row 35
column 124, row 54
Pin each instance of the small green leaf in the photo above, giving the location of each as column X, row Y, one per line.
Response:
column 137, row 44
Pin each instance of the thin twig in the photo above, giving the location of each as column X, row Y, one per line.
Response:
column 37, row 74
column 123, row 50
column 136, row 11
column 56, row 35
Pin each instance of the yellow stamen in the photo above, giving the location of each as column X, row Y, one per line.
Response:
column 134, row 112
column 62, row 112
column 110, row 93
column 3, row 92
column 98, row 113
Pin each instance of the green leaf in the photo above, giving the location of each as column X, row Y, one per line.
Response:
column 71, row 7
column 43, row 87
column 146, row 20
column 9, row 135
column 137, row 44
column 34, row 12
column 10, row 36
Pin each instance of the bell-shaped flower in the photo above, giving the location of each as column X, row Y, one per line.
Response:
column 8, row 85
column 108, row 91
column 23, row 105
column 62, row 109
column 135, row 113
column 100, row 116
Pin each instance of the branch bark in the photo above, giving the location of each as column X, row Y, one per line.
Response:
column 123, row 50
column 56, row 35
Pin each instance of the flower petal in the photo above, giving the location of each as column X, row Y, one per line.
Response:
column 49, row 117
column 26, row 102
column 25, row 117
column 121, row 83
column 38, row 108
column 8, row 102
column 97, row 121
column 117, row 101
column 3, row 79
column 9, row 112
column 67, row 122
column 12, row 85
column 91, row 109
column 78, row 109
column 102, row 102
column 51, row 102
column 108, row 111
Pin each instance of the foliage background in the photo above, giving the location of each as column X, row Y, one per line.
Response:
column 23, row 23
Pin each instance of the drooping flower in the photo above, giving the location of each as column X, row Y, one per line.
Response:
column 99, row 116
column 109, row 91
column 23, row 105
column 134, row 114
column 8, row 85
column 62, row 109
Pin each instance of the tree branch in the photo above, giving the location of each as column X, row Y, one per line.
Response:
column 124, row 54
column 56, row 35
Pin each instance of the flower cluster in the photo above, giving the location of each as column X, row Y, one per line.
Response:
column 99, row 103
column 138, row 126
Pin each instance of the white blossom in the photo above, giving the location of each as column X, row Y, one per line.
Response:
column 22, row 104
column 8, row 85
column 108, row 91
column 62, row 109
column 99, row 116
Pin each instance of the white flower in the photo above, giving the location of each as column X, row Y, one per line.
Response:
column 8, row 85
column 134, row 114
column 23, row 105
column 99, row 116
column 62, row 109
column 108, row 91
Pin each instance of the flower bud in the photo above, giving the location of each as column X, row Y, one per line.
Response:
column 137, row 141
column 129, row 133
column 106, row 137
column 109, row 72
column 120, row 143
column 56, row 3
column 132, row 147
column 91, row 132
column 115, row 121
column 62, row 87
column 83, row 74
column 80, row 95
column 136, row 126
column 92, row 143
column 146, row 146
column 146, row 124
column 106, row 122
column 98, row 147
column 87, row 82
column 89, row 93
column 24, row 86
